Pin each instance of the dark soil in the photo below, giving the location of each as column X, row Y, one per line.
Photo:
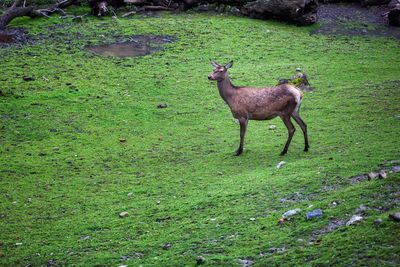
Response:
column 352, row 19
column 13, row 36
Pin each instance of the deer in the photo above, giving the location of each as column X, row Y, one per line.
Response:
column 251, row 103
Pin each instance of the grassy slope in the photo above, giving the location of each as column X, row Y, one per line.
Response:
column 188, row 188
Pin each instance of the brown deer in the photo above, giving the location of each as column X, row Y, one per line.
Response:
column 249, row 103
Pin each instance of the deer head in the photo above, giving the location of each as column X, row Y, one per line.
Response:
column 220, row 72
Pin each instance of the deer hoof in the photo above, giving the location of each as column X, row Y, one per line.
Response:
column 283, row 153
column 238, row 152
column 305, row 149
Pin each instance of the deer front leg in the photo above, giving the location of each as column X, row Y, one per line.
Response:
column 289, row 125
column 243, row 127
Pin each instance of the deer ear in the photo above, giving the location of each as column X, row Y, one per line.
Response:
column 229, row 65
column 214, row 64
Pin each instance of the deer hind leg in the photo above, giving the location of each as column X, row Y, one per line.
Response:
column 303, row 126
column 289, row 125
column 243, row 126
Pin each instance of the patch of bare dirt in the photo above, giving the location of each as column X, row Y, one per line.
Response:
column 352, row 19
column 12, row 36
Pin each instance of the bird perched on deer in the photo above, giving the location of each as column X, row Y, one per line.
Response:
column 250, row 103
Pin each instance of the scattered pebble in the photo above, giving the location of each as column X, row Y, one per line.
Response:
column 362, row 209
column 28, row 79
column 372, row 175
column 18, row 244
column 122, row 140
column 56, row 148
column 382, row 174
column 395, row 216
column 246, row 263
column 333, row 204
column 290, row 213
column 51, row 262
column 396, row 169
column 162, row 105
column 354, row 219
column 130, row 194
column 84, row 238
column 252, row 219
column 123, row 214
column 280, row 164
column 200, row 260
column 272, row 127
column 314, row 214
column 167, row 246
column 378, row 221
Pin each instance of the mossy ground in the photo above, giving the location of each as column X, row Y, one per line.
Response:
column 66, row 176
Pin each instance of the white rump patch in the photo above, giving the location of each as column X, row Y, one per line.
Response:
column 297, row 94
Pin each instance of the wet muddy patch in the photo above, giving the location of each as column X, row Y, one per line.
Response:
column 135, row 46
column 352, row 19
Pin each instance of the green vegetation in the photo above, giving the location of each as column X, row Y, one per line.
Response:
column 85, row 141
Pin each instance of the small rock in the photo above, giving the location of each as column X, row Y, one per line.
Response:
column 84, row 238
column 362, row 209
column 354, row 219
column 123, row 214
column 252, row 219
column 28, row 79
column 163, row 105
column 372, row 175
column 1, row 254
column 396, row 169
column 395, row 216
column 272, row 127
column 246, row 263
column 167, row 246
column 333, row 204
column 378, row 221
column 56, row 148
column 2, row 215
column 280, row 164
column 51, row 262
column 314, row 214
column 52, row 130
column 200, row 260
column 281, row 221
column 130, row 194
column 382, row 174
column 276, row 250
column 18, row 244
column 290, row 213
column 122, row 140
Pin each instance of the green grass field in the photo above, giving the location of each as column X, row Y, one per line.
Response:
column 65, row 175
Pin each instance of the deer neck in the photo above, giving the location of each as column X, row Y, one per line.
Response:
column 226, row 89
